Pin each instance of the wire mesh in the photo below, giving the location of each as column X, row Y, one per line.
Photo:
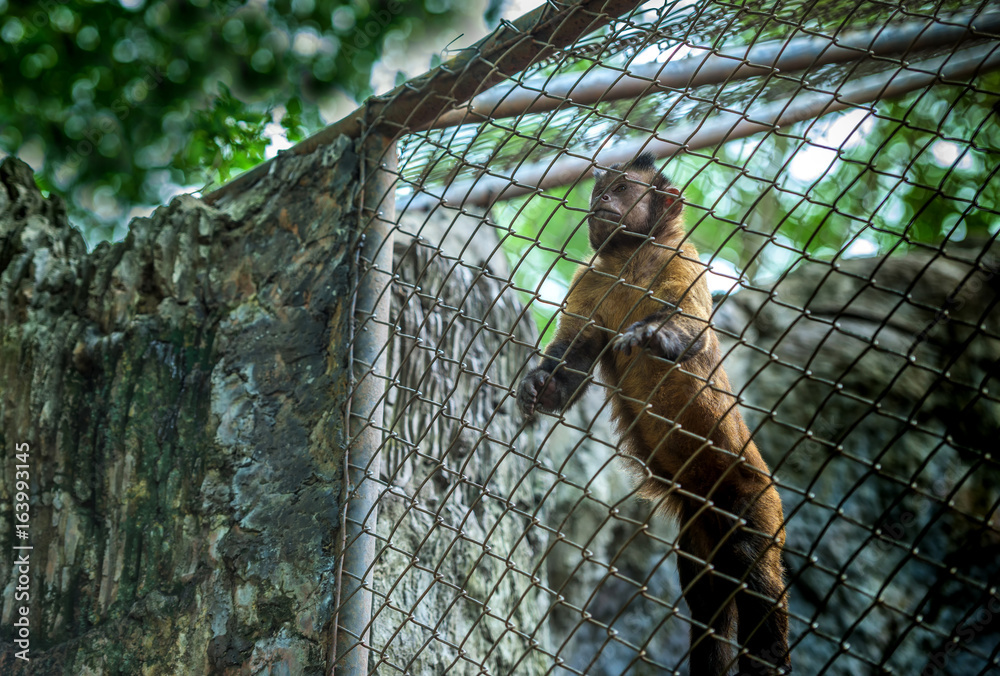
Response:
column 851, row 252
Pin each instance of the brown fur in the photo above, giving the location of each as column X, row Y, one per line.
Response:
column 674, row 409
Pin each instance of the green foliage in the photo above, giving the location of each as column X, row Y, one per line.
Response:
column 293, row 121
column 546, row 244
column 915, row 172
column 122, row 103
column 229, row 136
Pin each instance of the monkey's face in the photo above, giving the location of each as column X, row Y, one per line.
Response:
column 627, row 206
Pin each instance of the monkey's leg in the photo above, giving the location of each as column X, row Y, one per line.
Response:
column 668, row 333
column 711, row 603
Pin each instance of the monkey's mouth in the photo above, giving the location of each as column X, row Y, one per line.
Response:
column 607, row 215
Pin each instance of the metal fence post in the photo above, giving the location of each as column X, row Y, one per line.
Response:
column 366, row 405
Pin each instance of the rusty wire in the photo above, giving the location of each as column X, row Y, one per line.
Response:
column 503, row 547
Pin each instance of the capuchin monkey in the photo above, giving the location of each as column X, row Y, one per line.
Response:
column 641, row 310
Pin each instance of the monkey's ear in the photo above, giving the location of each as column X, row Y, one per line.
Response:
column 599, row 173
column 672, row 203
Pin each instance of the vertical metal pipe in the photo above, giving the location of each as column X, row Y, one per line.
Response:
column 370, row 347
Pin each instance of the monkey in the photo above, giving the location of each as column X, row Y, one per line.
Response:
column 640, row 310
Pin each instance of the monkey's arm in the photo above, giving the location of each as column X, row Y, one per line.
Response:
column 671, row 333
column 677, row 327
column 564, row 374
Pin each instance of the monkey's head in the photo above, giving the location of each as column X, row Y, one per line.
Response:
column 631, row 202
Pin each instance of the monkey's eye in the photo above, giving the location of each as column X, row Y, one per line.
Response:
column 621, row 188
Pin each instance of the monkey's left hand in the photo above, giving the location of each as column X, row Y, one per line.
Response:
column 660, row 338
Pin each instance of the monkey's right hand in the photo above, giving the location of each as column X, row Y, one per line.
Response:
column 538, row 392
column 663, row 340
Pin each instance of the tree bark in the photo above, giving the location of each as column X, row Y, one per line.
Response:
column 872, row 387
column 181, row 393
column 455, row 586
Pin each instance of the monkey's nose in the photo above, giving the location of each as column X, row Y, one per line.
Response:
column 605, row 198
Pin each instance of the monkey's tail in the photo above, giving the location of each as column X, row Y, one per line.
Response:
column 763, row 609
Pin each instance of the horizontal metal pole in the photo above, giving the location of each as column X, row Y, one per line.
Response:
column 707, row 67
column 721, row 127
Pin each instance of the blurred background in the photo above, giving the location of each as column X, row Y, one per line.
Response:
column 119, row 105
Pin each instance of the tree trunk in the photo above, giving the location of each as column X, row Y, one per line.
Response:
column 455, row 585
column 180, row 395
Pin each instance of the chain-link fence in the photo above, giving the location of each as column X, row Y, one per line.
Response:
column 838, row 164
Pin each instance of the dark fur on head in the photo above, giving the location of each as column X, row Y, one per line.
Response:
column 645, row 162
column 622, row 203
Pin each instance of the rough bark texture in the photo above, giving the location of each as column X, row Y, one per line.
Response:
column 183, row 409
column 890, row 417
column 454, row 583
column 184, row 416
